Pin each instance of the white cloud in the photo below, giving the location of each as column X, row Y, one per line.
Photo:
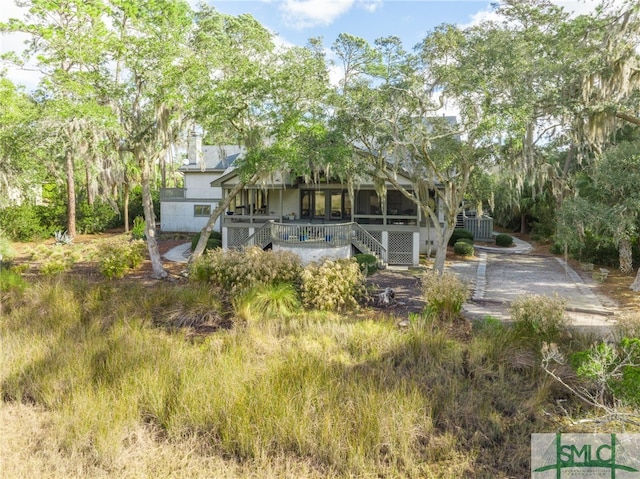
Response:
column 308, row 13
column 575, row 7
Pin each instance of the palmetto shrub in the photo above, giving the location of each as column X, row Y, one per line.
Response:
column 333, row 285
column 444, row 294
column 237, row 271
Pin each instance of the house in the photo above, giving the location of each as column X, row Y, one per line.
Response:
column 282, row 212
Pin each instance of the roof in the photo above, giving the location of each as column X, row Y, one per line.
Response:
column 214, row 157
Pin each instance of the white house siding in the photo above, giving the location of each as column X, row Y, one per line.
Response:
column 179, row 216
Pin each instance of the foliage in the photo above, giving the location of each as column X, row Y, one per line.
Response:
column 117, row 256
column 58, row 261
column 333, row 285
column 137, row 232
column 267, row 302
column 7, row 253
column 539, row 318
column 21, row 223
column 237, row 271
column 96, row 218
column 368, row 263
column 463, row 248
column 503, row 239
column 458, row 234
column 11, row 281
column 444, row 295
column 62, row 238
column 613, row 371
column 214, row 241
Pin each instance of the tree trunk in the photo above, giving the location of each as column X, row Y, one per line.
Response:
column 71, row 194
column 524, row 224
column 206, row 231
column 625, row 256
column 635, row 286
column 125, row 207
column 89, row 188
column 150, row 220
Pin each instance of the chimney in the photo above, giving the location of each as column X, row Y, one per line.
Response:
column 194, row 148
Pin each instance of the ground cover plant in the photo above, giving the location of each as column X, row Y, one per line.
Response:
column 172, row 379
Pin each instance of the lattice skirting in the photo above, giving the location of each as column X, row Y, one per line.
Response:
column 400, row 248
column 237, row 237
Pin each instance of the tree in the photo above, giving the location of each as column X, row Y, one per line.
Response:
column 264, row 98
column 18, row 168
column 66, row 39
column 388, row 113
column 146, row 88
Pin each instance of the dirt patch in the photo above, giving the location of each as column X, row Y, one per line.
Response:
column 407, row 291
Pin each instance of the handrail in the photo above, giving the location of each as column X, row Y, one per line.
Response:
column 318, row 236
column 260, row 237
column 367, row 240
column 311, row 236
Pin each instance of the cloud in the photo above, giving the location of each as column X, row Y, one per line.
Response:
column 308, row 13
column 302, row 14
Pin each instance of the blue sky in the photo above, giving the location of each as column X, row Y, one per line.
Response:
column 296, row 20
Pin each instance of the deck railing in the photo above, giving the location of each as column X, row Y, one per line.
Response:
column 317, row 236
column 311, row 236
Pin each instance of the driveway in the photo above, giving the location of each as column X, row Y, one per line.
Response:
column 499, row 276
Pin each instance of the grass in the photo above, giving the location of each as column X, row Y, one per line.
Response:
column 104, row 381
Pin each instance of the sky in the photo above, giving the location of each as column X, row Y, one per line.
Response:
column 295, row 21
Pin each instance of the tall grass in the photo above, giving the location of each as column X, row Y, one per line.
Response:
column 356, row 397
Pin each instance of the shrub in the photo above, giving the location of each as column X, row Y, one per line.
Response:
column 556, row 248
column 7, row 253
column 137, row 232
column 444, row 294
column 333, row 285
column 59, row 261
column 214, row 241
column 96, row 218
column 459, row 233
column 463, row 248
column 465, row 240
column 504, row 240
column 368, row 263
column 237, row 271
column 118, row 256
column 10, row 280
column 21, row 223
column 539, row 318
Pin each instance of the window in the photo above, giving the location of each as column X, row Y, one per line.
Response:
column 201, row 210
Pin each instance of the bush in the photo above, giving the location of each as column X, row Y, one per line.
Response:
column 458, row 234
column 7, row 252
column 21, row 223
column 214, row 241
column 463, row 248
column 504, row 240
column 539, row 318
column 137, row 232
column 556, row 248
column 116, row 257
column 96, row 218
column 333, row 285
column 444, row 294
column 368, row 263
column 237, row 271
